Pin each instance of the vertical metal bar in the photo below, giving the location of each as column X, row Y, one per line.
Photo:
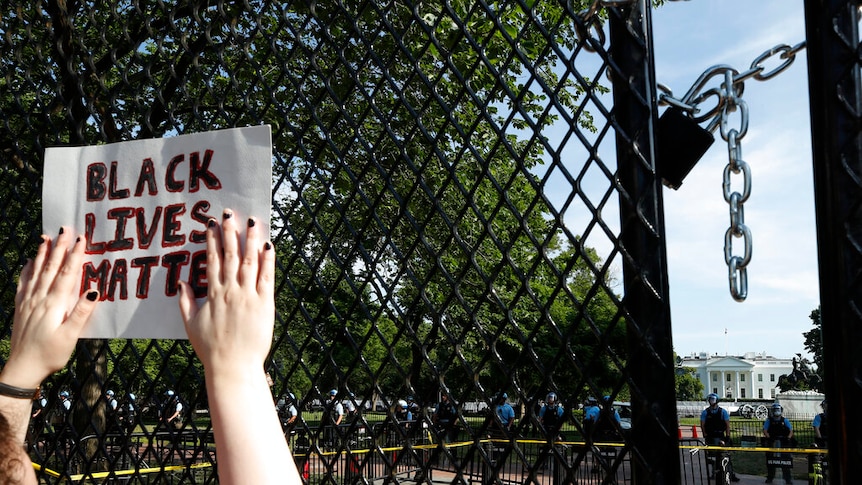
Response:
column 654, row 446
column 836, row 108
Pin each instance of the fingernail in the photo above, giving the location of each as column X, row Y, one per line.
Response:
column 211, row 223
column 227, row 214
column 267, row 246
column 41, row 239
column 92, row 295
column 61, row 229
column 250, row 222
column 77, row 239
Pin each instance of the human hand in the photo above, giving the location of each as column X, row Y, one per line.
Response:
column 232, row 331
column 49, row 311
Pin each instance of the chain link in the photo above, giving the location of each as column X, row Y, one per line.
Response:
column 737, row 265
column 593, row 23
column 728, row 96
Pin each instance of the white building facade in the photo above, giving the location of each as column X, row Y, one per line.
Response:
column 750, row 376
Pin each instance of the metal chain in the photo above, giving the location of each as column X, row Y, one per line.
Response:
column 729, row 100
column 737, row 265
column 592, row 32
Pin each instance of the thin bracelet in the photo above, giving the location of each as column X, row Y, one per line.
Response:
column 21, row 393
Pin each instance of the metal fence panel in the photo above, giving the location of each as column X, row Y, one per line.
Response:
column 835, row 91
column 464, row 203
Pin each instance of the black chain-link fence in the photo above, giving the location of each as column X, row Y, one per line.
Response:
column 464, row 205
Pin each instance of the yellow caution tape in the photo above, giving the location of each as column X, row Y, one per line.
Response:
column 139, row 471
column 142, row 471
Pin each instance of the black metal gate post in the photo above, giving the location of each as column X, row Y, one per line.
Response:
column 655, row 459
column 836, row 111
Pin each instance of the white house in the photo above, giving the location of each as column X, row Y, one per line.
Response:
column 750, row 376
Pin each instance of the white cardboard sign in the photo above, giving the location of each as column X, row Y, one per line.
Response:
column 143, row 206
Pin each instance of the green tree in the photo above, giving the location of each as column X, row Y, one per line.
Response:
column 440, row 221
column 416, row 246
column 814, row 344
column 688, row 386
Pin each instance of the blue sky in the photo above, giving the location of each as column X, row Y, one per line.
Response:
column 689, row 37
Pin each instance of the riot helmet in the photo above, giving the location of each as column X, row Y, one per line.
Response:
column 777, row 410
column 712, row 399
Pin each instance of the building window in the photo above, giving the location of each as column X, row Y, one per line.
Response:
column 715, row 390
column 742, row 378
column 760, row 393
column 728, row 378
column 772, row 393
column 742, row 393
column 772, row 379
column 715, row 377
column 760, row 378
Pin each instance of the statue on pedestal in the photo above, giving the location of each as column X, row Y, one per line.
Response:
column 801, row 379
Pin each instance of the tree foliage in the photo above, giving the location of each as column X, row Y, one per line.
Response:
column 814, row 343
column 688, row 386
column 416, row 246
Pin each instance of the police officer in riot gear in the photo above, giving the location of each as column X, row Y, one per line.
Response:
column 777, row 431
column 715, row 422
column 821, row 428
column 551, row 416
column 715, row 425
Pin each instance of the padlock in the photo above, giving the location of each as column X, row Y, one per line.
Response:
column 681, row 142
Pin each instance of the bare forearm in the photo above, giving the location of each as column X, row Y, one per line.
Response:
column 247, row 432
column 17, row 410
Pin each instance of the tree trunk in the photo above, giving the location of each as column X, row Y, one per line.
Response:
column 91, row 367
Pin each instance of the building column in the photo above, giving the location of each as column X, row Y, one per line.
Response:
column 736, row 396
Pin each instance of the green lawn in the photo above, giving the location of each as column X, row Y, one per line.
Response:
column 754, row 462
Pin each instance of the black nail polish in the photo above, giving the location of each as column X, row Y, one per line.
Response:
column 77, row 239
column 61, row 229
column 41, row 239
column 211, row 223
column 227, row 215
column 92, row 295
column 250, row 222
column 267, row 246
